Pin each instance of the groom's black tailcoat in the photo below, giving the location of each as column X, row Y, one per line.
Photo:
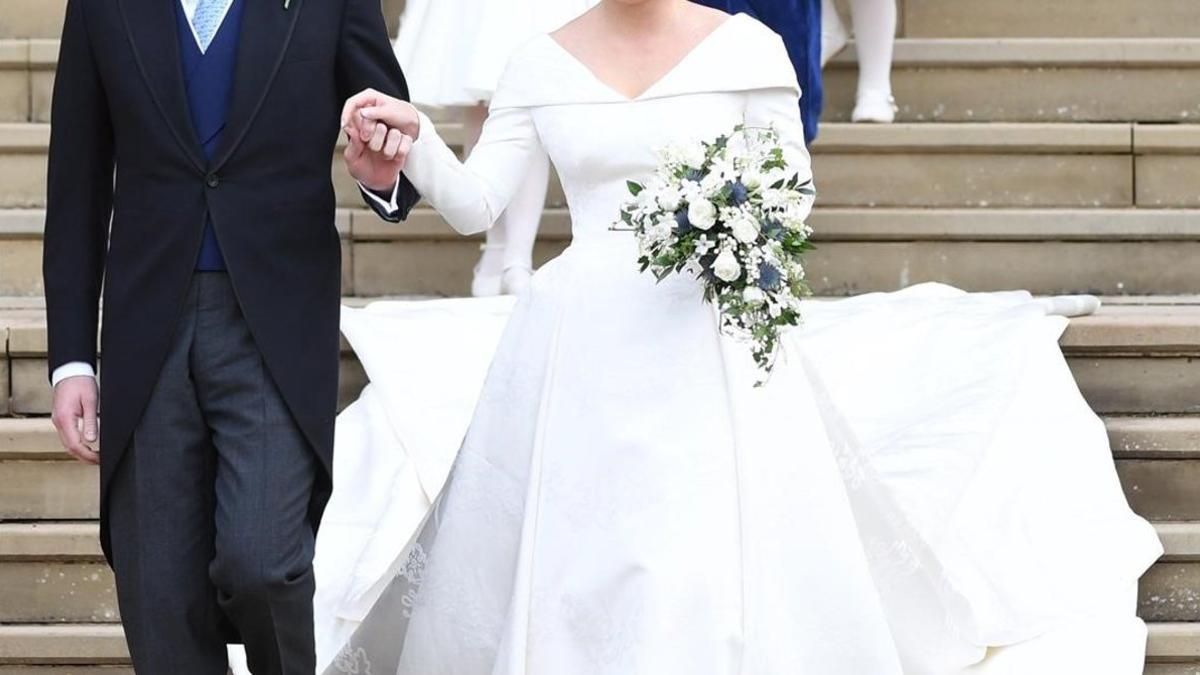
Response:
column 120, row 110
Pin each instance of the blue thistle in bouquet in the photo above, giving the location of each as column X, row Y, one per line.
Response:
column 731, row 213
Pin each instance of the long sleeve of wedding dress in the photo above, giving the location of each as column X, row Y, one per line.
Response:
column 472, row 195
column 776, row 108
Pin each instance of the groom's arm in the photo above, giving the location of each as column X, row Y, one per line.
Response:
column 366, row 61
column 79, row 198
column 78, row 209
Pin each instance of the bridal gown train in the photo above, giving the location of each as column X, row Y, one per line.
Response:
column 919, row 481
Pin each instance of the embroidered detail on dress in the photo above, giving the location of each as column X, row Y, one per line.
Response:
column 353, row 661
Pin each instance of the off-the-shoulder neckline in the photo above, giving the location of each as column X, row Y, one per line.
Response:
column 686, row 58
column 740, row 54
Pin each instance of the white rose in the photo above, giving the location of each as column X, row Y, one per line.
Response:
column 668, row 199
column 726, row 266
column 754, row 295
column 645, row 201
column 702, row 214
column 693, row 155
column 712, row 184
column 745, row 230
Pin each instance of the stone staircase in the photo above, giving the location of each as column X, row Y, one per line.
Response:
column 1041, row 145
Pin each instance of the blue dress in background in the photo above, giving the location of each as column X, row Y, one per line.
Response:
column 799, row 23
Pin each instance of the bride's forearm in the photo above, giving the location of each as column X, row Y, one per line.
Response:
column 472, row 195
column 447, row 184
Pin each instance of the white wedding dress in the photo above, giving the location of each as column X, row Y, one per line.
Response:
column 919, row 489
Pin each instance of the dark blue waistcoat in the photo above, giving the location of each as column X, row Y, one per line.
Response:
column 208, row 79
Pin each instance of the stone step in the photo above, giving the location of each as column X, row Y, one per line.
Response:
column 26, row 78
column 1174, row 641
column 1163, row 489
column 58, row 488
column 1128, row 359
column 119, row 669
column 933, row 165
column 1157, row 458
column 53, row 573
column 21, row 233
column 82, row 644
column 31, row 18
column 908, row 165
column 1033, row 80
column 959, row 79
column 1171, row 646
column 1111, row 251
column 1061, row 18
column 1142, row 437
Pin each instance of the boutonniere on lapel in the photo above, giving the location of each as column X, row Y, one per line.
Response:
column 287, row 4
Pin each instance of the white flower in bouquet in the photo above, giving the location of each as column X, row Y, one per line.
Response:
column 669, row 199
column 729, row 212
column 693, row 155
column 745, row 229
column 712, row 184
column 738, row 145
column 702, row 214
column 753, row 295
column 660, row 231
column 752, row 179
column 726, row 266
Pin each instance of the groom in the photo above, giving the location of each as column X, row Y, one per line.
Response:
column 189, row 178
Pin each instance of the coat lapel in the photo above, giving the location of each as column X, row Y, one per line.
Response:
column 151, row 26
column 267, row 27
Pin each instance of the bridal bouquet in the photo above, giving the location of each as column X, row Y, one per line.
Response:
column 731, row 213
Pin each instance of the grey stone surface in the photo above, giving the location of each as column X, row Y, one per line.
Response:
column 57, row 592
column 1038, row 18
column 1162, row 489
column 48, row 490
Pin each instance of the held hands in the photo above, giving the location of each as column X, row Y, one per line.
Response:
column 381, row 131
column 74, row 417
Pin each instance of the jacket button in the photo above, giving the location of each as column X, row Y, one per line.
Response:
column 212, row 181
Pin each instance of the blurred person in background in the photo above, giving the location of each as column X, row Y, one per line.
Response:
column 454, row 52
column 874, row 23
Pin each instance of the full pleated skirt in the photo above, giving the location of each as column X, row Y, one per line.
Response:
column 919, row 485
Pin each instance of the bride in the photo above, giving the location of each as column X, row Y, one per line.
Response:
column 919, row 488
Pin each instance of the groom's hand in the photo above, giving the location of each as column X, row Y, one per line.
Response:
column 75, row 400
column 378, row 144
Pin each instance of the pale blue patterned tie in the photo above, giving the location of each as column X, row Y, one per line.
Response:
column 207, row 20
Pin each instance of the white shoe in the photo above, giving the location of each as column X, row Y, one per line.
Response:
column 486, row 283
column 834, row 36
column 515, row 280
column 1070, row 305
column 875, row 106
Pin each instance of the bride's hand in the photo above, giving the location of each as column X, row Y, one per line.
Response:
column 379, row 143
column 369, row 107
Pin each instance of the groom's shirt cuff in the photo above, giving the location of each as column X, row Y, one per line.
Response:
column 390, row 207
column 72, row 369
